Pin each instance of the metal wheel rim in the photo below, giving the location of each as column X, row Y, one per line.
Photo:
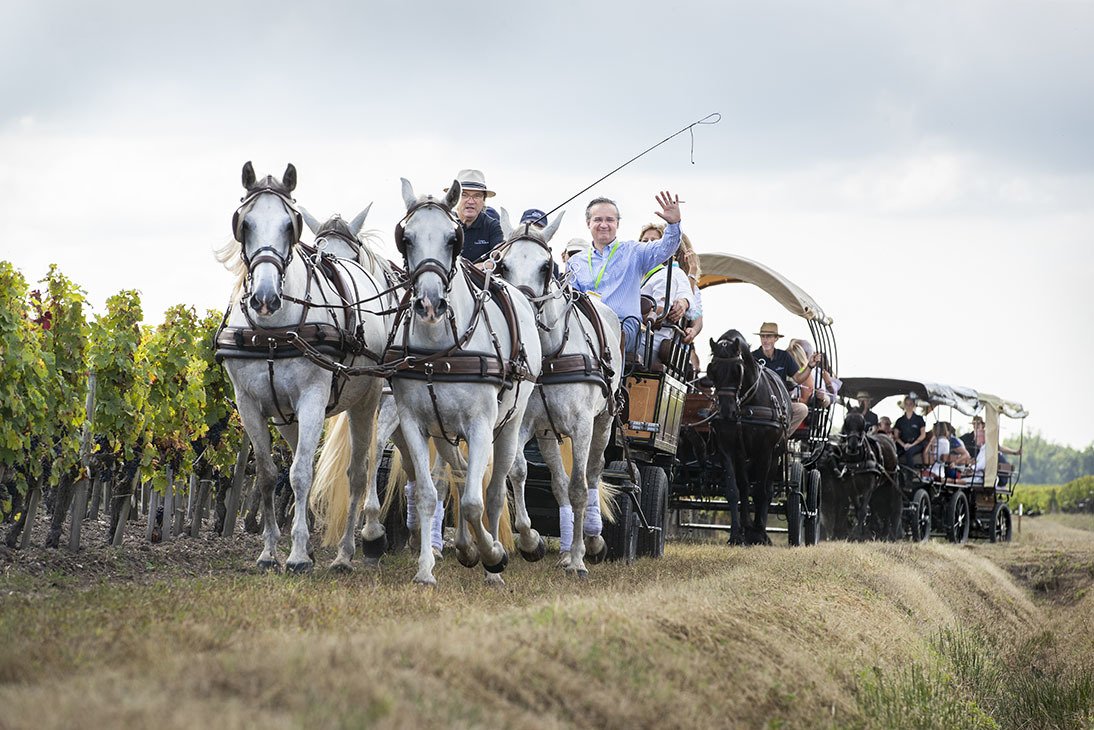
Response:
column 924, row 519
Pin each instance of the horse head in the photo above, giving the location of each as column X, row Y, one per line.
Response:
column 336, row 236
column 727, row 370
column 855, row 449
column 524, row 259
column 430, row 239
column 267, row 225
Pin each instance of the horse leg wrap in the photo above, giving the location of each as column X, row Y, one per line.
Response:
column 565, row 528
column 438, row 525
column 593, row 524
column 411, row 507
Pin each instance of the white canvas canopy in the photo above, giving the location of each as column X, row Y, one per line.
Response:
column 965, row 400
column 722, row 268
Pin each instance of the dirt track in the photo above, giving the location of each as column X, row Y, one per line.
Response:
column 187, row 633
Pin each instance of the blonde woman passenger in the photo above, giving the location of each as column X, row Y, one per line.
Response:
column 685, row 306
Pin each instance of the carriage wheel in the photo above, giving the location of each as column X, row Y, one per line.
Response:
column 957, row 518
column 655, row 497
column 921, row 516
column 812, row 521
column 621, row 536
column 795, row 530
column 1001, row 523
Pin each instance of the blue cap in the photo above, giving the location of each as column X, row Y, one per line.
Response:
column 534, row 216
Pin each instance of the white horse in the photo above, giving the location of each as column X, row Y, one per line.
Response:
column 467, row 359
column 292, row 301
column 575, row 396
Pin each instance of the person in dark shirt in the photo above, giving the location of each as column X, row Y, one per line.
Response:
column 481, row 233
column 864, row 403
column 911, row 433
column 781, row 363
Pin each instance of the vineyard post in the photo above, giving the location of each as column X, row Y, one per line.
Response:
column 96, row 498
column 153, row 504
column 169, row 505
column 79, row 504
column 232, row 508
column 190, row 499
column 180, row 512
column 33, row 499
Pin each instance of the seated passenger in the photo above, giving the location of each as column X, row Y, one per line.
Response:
column 574, row 247
column 481, row 233
column 937, row 452
column 974, row 439
column 684, row 303
column 864, row 402
column 959, row 455
column 818, row 383
column 780, row 363
column 885, row 425
column 612, row 269
column 910, row 433
column 686, row 261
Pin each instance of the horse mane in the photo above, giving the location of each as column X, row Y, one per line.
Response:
column 370, row 241
column 228, row 256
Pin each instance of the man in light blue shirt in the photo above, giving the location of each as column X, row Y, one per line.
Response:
column 613, row 269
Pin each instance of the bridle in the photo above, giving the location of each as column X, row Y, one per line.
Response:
column 269, row 253
column 538, row 299
column 445, row 271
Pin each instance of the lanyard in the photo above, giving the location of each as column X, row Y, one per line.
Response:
column 596, row 281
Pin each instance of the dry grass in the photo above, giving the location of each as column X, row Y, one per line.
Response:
column 707, row 637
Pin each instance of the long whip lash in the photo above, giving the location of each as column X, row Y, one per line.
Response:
column 712, row 118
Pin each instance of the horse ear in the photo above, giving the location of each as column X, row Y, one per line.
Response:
column 550, row 230
column 506, row 226
column 289, row 179
column 310, row 220
column 248, row 175
column 713, row 345
column 453, row 196
column 409, row 198
column 357, row 222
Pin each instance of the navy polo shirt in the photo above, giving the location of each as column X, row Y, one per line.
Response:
column 909, row 428
column 781, row 363
column 481, row 237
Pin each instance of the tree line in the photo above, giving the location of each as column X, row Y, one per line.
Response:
column 1047, row 462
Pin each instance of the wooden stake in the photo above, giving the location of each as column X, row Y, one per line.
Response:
column 123, row 515
column 33, row 498
column 232, row 505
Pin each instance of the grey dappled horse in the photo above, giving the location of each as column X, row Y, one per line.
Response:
column 276, row 278
column 574, row 406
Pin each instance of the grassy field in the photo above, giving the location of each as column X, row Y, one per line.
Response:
column 861, row 636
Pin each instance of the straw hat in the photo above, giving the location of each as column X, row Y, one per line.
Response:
column 769, row 328
column 473, row 180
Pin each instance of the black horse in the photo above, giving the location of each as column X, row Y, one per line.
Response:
column 862, row 500
column 750, row 432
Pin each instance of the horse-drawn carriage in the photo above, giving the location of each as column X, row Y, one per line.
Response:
column 957, row 501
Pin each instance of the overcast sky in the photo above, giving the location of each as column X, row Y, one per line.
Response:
column 924, row 170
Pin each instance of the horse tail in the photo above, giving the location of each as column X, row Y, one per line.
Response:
column 608, row 495
column 393, row 488
column 329, row 498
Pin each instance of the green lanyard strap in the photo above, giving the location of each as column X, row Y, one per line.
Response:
column 596, row 281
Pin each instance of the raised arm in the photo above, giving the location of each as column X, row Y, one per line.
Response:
column 654, row 252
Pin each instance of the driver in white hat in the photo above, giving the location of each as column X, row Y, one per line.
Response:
column 481, row 233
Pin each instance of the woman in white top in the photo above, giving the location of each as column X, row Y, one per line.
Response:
column 685, row 302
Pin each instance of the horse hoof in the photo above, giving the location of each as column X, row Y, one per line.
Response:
column 564, row 559
column 600, row 555
column 500, row 565
column 468, row 559
column 303, row 566
column 371, row 563
column 374, row 548
column 437, row 553
column 494, row 580
column 269, row 565
column 341, row 568
column 534, row 556
column 426, row 581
